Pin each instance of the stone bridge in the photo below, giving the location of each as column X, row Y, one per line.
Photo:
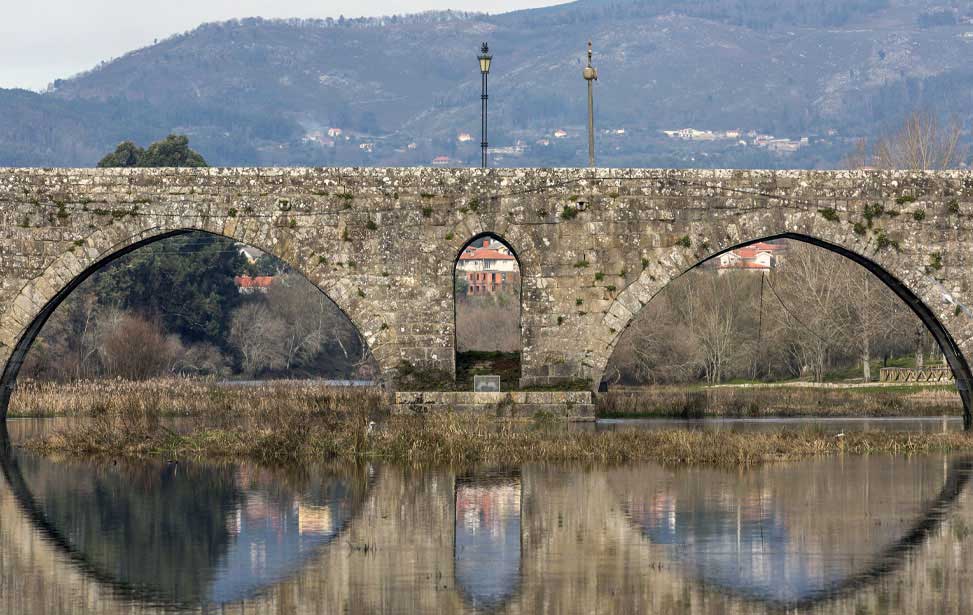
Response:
column 594, row 246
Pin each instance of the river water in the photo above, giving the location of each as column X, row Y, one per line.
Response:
column 844, row 534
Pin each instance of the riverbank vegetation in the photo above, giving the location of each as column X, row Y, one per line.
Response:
column 182, row 397
column 281, row 424
column 273, row 436
column 179, row 397
column 786, row 400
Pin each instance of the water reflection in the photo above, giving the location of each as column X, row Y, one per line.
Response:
column 754, row 543
column 184, row 533
column 921, row 424
column 487, row 544
column 836, row 535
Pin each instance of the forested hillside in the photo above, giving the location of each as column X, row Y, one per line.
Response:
column 779, row 84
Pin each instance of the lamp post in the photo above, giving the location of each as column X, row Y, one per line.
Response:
column 485, row 59
column 591, row 75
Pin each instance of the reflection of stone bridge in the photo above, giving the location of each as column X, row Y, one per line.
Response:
column 593, row 246
column 624, row 540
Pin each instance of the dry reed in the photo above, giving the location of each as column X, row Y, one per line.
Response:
column 288, row 436
column 169, row 397
column 282, row 424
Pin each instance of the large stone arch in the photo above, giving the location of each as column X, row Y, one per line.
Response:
column 901, row 274
column 37, row 300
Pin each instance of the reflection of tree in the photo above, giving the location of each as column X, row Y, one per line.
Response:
column 157, row 526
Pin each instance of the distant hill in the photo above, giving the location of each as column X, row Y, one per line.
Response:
column 403, row 89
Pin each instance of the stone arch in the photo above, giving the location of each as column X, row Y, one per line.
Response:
column 907, row 283
column 482, row 234
column 37, row 300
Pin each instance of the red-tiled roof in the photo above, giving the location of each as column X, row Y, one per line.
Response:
column 746, row 252
column 261, row 281
column 484, row 254
column 753, row 250
column 745, row 265
column 769, row 247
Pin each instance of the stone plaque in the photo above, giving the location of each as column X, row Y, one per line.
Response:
column 486, row 384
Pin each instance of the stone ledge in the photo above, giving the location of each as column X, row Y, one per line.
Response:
column 570, row 405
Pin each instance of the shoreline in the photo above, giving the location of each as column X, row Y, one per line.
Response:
column 283, row 424
column 188, row 396
column 444, row 438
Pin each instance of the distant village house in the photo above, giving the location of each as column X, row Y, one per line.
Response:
column 489, row 268
column 758, row 257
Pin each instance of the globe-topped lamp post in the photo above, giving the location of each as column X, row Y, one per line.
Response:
column 485, row 59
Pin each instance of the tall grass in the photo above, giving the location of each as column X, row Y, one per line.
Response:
column 170, row 397
column 284, row 436
column 287, row 423
column 269, row 423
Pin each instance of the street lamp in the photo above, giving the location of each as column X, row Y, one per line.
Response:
column 485, row 59
column 591, row 75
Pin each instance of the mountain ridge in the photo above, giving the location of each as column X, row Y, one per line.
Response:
column 404, row 90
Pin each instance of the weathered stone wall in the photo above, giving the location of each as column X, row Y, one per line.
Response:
column 594, row 245
column 570, row 405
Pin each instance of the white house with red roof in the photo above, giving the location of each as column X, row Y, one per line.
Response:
column 757, row 257
column 489, row 267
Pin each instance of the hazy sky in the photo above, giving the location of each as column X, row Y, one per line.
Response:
column 41, row 40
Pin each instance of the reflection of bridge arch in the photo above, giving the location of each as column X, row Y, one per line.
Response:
column 409, row 521
column 488, row 548
column 887, row 561
column 336, row 518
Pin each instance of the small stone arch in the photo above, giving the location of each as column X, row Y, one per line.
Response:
column 915, row 295
column 519, row 256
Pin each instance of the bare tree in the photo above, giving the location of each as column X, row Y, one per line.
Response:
column 257, row 336
column 809, row 311
column 133, row 347
column 921, row 145
column 873, row 308
column 487, row 322
column 717, row 310
column 303, row 311
column 657, row 347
